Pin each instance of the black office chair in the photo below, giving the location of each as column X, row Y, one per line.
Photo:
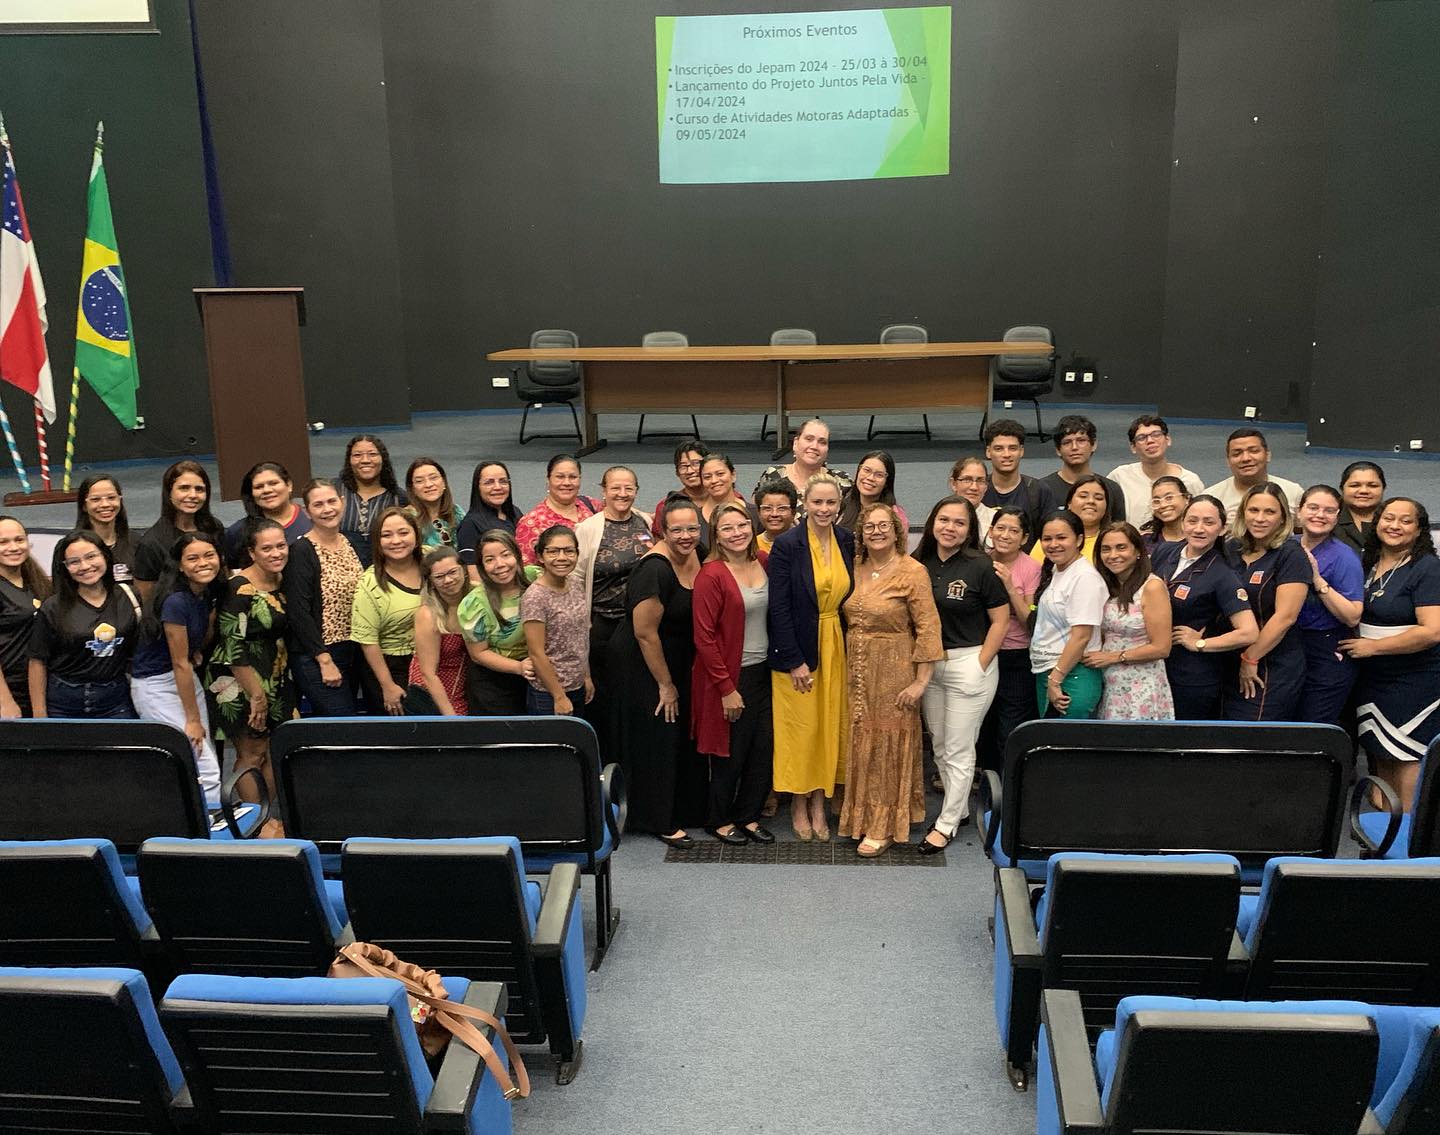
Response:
column 666, row 339
column 902, row 333
column 1023, row 377
column 548, row 382
column 786, row 337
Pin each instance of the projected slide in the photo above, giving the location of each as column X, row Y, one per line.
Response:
column 803, row 96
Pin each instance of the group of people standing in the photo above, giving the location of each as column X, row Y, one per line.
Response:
column 729, row 649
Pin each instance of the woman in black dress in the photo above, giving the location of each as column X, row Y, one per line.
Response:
column 184, row 507
column 650, row 656
column 23, row 587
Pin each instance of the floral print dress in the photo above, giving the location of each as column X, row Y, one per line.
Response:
column 1136, row 691
column 251, row 632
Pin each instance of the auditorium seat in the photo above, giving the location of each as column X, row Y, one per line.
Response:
column 84, row 1051
column 666, row 339
column 67, row 902
column 1344, row 928
column 901, row 333
column 464, row 907
column 326, row 1056
column 1393, row 834
column 258, row 908
column 1185, row 1067
column 1107, row 926
column 1411, row 1104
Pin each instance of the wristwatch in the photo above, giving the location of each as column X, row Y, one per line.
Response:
column 1200, row 645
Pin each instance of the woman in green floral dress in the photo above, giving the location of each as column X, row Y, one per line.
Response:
column 250, row 670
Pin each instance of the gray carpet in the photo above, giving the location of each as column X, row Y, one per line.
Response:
column 457, row 440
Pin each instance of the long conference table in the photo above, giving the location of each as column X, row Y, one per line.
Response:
column 846, row 378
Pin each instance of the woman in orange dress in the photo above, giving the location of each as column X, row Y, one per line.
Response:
column 892, row 642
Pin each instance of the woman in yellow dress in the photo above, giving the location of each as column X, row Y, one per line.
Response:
column 893, row 644
column 810, row 576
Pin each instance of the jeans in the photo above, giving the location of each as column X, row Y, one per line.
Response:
column 955, row 703
column 329, row 701
column 88, row 699
column 1084, row 687
column 539, row 703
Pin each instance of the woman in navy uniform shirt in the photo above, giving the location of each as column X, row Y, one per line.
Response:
column 1276, row 574
column 1331, row 609
column 1205, row 595
column 1399, row 644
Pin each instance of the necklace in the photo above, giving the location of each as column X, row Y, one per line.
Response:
column 875, row 573
column 1382, row 580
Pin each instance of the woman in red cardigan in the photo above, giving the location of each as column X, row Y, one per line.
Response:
column 730, row 683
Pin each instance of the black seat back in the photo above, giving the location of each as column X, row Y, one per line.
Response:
column 121, row 780
column 1211, row 1073
column 1366, row 931
column 553, row 373
column 77, row 1056
column 60, row 906
column 1249, row 790
column 1417, row 1112
column 1012, row 371
column 295, row 1069
column 247, row 909
column 536, row 778
column 1425, row 813
column 407, row 897
column 1120, row 927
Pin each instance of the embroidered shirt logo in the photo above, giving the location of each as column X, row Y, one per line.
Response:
column 105, row 641
column 958, row 589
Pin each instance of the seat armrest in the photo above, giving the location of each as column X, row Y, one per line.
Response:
column 459, row 1078
column 555, row 909
column 1013, row 890
column 230, row 797
column 1358, row 795
column 1077, row 1099
column 991, row 798
column 613, row 792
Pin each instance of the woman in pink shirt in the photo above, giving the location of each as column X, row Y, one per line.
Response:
column 563, row 504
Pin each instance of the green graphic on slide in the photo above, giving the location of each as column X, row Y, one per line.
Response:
column 664, row 37
column 803, row 96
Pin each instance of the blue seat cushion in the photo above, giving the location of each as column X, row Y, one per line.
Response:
column 1247, row 918
column 1373, row 824
column 134, row 983
column 335, row 897
column 318, row 991
column 1422, row 1023
column 1034, row 868
column 540, row 863
column 1108, row 857
column 123, row 886
column 1392, row 1023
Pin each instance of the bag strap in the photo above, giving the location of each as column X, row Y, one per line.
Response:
column 134, row 602
column 445, row 1010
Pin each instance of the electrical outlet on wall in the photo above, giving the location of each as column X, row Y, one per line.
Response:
column 1417, row 443
column 500, row 382
column 1251, row 411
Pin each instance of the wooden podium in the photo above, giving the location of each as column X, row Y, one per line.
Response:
column 257, row 380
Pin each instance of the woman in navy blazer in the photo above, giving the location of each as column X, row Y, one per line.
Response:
column 811, row 573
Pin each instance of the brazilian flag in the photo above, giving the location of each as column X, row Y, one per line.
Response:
column 104, row 338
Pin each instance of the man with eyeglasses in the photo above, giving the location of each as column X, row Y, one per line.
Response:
column 1248, row 455
column 1075, row 445
column 1150, row 441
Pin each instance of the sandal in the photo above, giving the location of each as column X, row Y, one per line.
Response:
column 870, row 848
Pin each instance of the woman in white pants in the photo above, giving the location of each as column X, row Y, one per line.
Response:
column 974, row 615
column 179, row 618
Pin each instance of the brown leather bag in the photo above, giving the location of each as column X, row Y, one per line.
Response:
column 437, row 1018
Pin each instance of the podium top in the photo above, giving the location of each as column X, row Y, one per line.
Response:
column 202, row 294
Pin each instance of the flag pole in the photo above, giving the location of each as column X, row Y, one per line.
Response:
column 41, row 443
column 14, row 450
column 70, row 428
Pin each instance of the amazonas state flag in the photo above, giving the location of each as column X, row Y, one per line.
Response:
column 104, row 338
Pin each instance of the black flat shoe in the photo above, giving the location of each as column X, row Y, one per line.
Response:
column 734, row 837
column 758, row 834
column 679, row 842
column 925, row 847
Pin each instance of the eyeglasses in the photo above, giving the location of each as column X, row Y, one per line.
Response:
column 1166, row 498
column 1149, row 435
column 1322, row 509
column 81, row 561
column 681, row 466
column 560, row 552
column 446, row 576
column 878, row 526
column 970, row 480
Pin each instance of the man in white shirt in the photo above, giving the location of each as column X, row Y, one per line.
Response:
column 1248, row 455
column 1149, row 441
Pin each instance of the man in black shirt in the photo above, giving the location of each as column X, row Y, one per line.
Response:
column 1004, row 447
column 1075, row 444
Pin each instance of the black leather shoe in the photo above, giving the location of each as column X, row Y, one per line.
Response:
column 734, row 837
column 759, row 834
column 679, row 842
column 925, row 847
